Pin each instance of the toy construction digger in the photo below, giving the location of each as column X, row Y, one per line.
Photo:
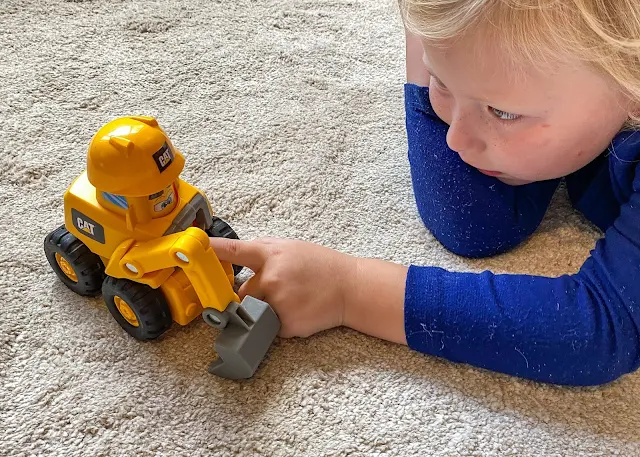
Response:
column 138, row 234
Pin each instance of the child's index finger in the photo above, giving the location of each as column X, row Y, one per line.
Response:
column 239, row 252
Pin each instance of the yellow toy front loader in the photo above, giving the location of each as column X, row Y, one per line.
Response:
column 138, row 234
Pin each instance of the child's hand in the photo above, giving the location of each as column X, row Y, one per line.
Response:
column 306, row 284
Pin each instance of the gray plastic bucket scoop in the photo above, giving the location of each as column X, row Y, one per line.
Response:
column 247, row 331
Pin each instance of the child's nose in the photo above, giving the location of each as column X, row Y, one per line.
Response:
column 462, row 137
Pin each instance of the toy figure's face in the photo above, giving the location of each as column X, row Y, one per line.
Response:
column 162, row 203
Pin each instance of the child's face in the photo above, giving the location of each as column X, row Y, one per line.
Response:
column 524, row 126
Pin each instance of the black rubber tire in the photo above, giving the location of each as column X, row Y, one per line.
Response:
column 87, row 266
column 148, row 304
column 221, row 229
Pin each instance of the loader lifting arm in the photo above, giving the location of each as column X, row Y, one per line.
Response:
column 248, row 328
column 152, row 262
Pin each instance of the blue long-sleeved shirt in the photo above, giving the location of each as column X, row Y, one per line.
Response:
column 580, row 329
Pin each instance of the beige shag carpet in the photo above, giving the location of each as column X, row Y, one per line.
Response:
column 290, row 114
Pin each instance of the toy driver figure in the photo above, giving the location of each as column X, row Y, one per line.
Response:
column 164, row 201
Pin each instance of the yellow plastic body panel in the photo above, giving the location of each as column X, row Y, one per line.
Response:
column 182, row 298
column 81, row 197
column 119, row 239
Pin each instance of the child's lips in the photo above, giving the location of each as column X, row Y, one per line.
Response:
column 489, row 172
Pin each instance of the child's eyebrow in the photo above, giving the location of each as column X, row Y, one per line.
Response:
column 478, row 99
column 426, row 63
column 428, row 67
column 431, row 73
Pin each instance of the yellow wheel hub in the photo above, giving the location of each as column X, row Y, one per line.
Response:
column 126, row 311
column 66, row 268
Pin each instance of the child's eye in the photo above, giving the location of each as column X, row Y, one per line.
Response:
column 504, row 115
column 439, row 83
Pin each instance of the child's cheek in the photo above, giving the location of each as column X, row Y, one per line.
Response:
column 532, row 154
column 441, row 105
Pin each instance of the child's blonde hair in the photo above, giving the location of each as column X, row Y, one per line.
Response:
column 604, row 33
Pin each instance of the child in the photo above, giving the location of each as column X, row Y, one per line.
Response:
column 504, row 99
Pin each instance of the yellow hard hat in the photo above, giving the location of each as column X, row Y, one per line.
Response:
column 133, row 157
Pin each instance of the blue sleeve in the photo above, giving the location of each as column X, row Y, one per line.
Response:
column 471, row 214
column 579, row 329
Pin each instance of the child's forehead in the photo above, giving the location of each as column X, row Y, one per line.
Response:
column 489, row 72
column 478, row 53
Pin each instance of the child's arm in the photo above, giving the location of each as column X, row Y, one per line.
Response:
column 582, row 329
column 471, row 214
column 374, row 302
column 484, row 215
column 313, row 288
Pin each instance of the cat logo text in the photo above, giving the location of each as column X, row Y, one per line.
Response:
column 87, row 226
